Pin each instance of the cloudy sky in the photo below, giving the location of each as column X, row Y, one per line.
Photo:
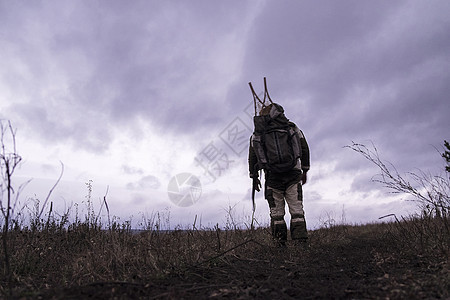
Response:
column 129, row 95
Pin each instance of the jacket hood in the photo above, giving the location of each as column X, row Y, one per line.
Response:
column 276, row 111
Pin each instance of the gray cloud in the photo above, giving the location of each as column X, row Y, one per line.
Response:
column 78, row 72
column 132, row 170
column 146, row 182
column 357, row 71
column 150, row 60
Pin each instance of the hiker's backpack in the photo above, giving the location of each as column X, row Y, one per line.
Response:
column 276, row 141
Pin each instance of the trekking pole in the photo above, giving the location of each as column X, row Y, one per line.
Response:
column 253, row 196
column 253, row 202
column 255, row 187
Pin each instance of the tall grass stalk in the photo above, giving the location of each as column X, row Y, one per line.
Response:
column 431, row 192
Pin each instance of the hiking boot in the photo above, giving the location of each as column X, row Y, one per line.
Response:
column 279, row 231
column 298, row 230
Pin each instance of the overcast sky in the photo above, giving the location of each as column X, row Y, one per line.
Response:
column 130, row 94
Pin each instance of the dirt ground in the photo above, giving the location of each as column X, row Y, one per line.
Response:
column 356, row 267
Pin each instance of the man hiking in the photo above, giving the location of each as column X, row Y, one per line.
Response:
column 279, row 147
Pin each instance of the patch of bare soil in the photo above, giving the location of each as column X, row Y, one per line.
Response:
column 346, row 266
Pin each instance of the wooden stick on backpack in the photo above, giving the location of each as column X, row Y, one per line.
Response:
column 266, row 91
column 255, row 97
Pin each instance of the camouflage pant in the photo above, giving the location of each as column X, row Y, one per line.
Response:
column 293, row 195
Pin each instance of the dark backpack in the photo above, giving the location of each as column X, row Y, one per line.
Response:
column 276, row 141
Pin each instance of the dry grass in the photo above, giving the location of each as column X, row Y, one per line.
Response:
column 49, row 259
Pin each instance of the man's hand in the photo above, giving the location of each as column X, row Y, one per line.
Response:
column 304, row 178
column 256, row 184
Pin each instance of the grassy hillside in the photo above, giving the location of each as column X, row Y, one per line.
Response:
column 407, row 258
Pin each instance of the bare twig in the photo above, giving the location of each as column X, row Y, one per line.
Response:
column 225, row 252
column 9, row 160
column 107, row 208
column 49, row 215
column 51, row 190
column 433, row 192
column 389, row 215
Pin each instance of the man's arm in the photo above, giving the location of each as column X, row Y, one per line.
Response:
column 252, row 163
column 305, row 153
column 305, row 157
column 252, row 160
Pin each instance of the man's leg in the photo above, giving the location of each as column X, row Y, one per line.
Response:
column 275, row 198
column 294, row 198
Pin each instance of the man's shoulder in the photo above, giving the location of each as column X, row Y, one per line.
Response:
column 295, row 127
